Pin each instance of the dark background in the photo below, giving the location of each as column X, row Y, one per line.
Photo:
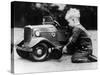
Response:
column 28, row 13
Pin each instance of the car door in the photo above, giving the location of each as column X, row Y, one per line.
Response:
column 62, row 34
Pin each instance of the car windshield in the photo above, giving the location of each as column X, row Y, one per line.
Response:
column 47, row 20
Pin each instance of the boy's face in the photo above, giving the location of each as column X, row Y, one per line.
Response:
column 71, row 22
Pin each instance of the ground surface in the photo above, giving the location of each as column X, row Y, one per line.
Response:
column 25, row 66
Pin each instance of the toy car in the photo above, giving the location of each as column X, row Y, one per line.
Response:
column 40, row 40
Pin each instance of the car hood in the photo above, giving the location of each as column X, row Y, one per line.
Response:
column 44, row 28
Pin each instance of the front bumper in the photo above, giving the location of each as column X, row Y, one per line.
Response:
column 24, row 49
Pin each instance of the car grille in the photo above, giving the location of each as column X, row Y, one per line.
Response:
column 27, row 34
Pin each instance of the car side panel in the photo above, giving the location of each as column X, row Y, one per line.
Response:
column 36, row 40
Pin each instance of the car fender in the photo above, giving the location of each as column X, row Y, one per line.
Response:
column 37, row 40
column 20, row 43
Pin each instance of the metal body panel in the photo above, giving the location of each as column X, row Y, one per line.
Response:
column 35, row 41
column 48, row 33
column 24, row 48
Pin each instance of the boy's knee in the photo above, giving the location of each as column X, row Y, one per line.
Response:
column 81, row 56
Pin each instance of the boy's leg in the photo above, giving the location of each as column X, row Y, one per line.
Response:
column 80, row 56
column 83, row 57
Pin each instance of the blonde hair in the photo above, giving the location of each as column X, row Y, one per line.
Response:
column 72, row 12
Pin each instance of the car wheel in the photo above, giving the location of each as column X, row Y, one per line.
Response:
column 23, row 54
column 40, row 52
column 56, row 54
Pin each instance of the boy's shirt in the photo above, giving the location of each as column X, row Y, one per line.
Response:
column 79, row 36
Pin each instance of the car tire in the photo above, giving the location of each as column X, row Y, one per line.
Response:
column 56, row 54
column 40, row 52
column 23, row 54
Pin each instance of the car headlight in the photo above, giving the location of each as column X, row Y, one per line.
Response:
column 37, row 33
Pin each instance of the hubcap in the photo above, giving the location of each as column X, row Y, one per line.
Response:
column 39, row 51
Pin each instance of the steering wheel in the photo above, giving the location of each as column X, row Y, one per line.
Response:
column 56, row 23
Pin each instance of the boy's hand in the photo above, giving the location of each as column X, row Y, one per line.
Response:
column 64, row 49
column 70, row 39
column 58, row 47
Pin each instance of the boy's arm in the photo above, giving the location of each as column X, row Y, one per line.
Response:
column 74, row 37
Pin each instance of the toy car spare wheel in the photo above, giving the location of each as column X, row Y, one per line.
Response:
column 40, row 52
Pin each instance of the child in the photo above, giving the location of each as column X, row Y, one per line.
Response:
column 79, row 44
